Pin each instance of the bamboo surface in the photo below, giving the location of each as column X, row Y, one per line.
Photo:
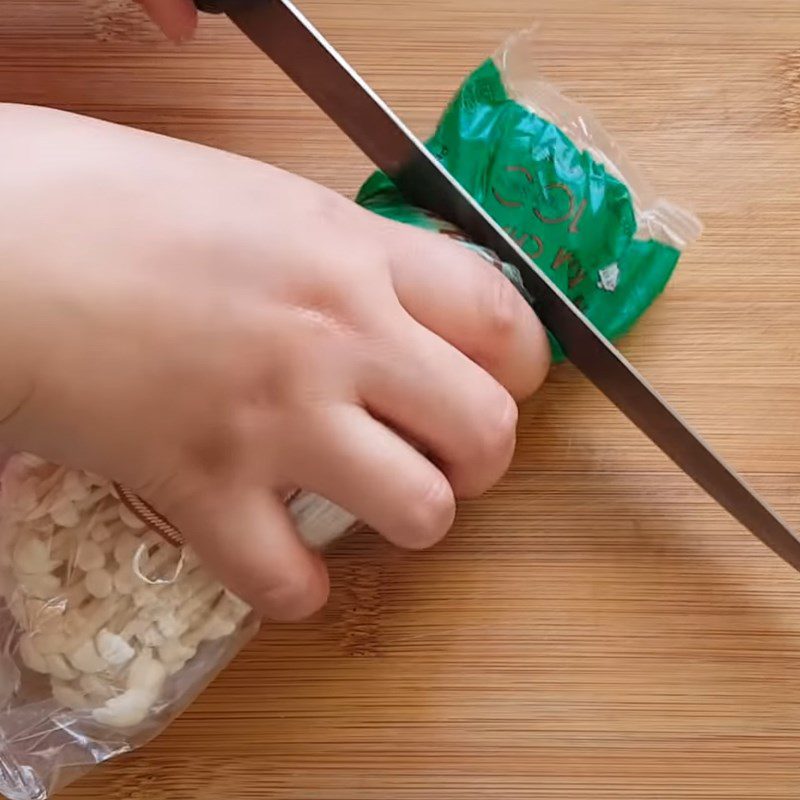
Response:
column 595, row 627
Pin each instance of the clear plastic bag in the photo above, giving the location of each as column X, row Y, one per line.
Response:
column 109, row 631
column 657, row 218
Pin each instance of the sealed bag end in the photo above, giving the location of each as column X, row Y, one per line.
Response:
column 658, row 218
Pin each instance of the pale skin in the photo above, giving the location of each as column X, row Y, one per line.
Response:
column 212, row 332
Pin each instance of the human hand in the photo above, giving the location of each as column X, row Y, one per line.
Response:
column 212, row 332
column 177, row 19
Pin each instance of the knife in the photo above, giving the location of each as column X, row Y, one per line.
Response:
column 282, row 32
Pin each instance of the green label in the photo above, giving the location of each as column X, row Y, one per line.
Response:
column 562, row 207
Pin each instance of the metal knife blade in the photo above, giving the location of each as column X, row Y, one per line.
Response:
column 282, row 32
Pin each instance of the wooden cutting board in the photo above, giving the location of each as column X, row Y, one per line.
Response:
column 595, row 628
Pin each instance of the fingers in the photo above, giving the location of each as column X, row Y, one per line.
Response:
column 462, row 298
column 248, row 540
column 435, row 396
column 359, row 464
column 176, row 18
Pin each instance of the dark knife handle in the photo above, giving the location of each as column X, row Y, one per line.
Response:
column 215, row 6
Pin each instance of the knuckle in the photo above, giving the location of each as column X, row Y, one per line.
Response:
column 430, row 515
column 332, row 209
column 491, row 451
column 302, row 592
column 538, row 365
column 501, row 313
column 496, row 434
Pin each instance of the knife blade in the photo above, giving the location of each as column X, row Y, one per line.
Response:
column 281, row 31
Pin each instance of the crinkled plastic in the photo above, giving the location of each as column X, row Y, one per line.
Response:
column 110, row 632
column 550, row 175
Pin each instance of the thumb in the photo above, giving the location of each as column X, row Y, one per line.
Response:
column 176, row 18
column 248, row 540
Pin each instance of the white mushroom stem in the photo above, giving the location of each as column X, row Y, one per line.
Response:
column 31, row 656
column 161, row 601
column 125, row 547
column 86, row 659
column 68, row 696
column 97, row 688
column 215, row 626
column 65, row 513
column 62, row 544
column 31, row 556
column 58, row 633
column 174, row 654
column 44, row 527
column 41, row 586
column 223, row 621
column 65, row 543
column 97, row 615
column 90, row 555
column 108, row 515
column 99, row 583
column 75, row 487
column 49, row 643
column 74, row 626
column 32, row 613
column 151, row 636
column 134, row 629
column 145, row 681
column 146, row 673
column 48, row 492
column 125, row 579
column 124, row 615
column 113, row 648
column 175, row 621
column 226, row 617
column 100, row 532
column 126, row 710
column 207, row 595
column 75, row 596
column 94, row 497
column 58, row 667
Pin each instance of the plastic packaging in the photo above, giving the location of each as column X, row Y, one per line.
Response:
column 546, row 170
column 110, row 631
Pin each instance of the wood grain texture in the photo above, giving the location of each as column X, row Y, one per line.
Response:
column 594, row 628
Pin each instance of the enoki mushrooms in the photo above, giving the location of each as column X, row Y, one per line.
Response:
column 107, row 609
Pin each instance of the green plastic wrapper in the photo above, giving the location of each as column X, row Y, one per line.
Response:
column 549, row 174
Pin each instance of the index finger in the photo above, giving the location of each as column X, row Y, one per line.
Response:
column 176, row 18
column 458, row 295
